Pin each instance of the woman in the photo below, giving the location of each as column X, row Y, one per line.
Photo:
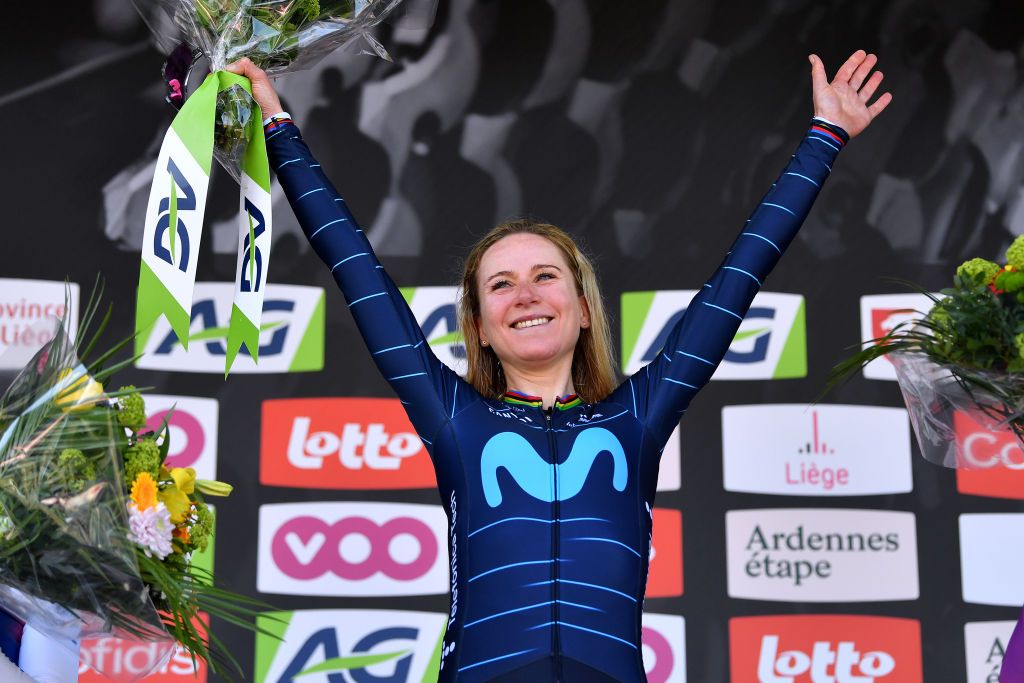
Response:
column 547, row 470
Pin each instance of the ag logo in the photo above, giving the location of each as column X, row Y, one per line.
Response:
column 436, row 312
column 770, row 344
column 352, row 549
column 292, row 338
column 349, row 646
column 879, row 314
column 170, row 241
column 193, row 430
column 664, row 648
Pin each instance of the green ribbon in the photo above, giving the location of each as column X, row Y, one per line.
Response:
column 174, row 223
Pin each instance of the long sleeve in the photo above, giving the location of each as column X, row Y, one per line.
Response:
column 428, row 389
column 661, row 391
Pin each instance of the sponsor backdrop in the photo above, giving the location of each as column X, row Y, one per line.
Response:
column 794, row 541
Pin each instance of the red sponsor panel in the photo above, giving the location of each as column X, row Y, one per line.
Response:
column 988, row 463
column 884, row 320
column 127, row 659
column 825, row 649
column 665, row 576
column 341, row 443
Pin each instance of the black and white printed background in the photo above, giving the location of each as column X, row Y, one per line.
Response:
column 648, row 129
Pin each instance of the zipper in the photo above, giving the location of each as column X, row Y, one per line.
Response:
column 556, row 533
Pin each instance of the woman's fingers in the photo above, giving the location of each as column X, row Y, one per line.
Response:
column 880, row 104
column 868, row 91
column 862, row 71
column 819, row 80
column 845, row 72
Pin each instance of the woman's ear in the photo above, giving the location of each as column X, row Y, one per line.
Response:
column 584, row 312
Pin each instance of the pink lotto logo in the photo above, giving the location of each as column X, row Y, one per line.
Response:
column 663, row 638
column 307, row 548
column 352, row 549
column 192, row 423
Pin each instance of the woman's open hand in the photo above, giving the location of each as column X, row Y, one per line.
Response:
column 262, row 91
column 844, row 101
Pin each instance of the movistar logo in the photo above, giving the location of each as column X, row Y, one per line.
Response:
column 514, row 453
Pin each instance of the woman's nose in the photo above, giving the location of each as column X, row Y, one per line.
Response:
column 527, row 292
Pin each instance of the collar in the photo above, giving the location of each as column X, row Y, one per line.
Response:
column 520, row 399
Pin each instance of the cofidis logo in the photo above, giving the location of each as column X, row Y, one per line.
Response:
column 879, row 314
column 825, row 649
column 990, row 463
column 349, row 646
column 665, row 572
column 821, row 450
column 664, row 648
column 341, row 443
column 770, row 344
column 821, row 555
column 193, row 430
column 28, row 311
column 992, row 557
column 985, row 644
column 291, row 338
column 352, row 549
column 125, row 660
column 436, row 312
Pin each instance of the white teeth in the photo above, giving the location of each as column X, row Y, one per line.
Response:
column 531, row 323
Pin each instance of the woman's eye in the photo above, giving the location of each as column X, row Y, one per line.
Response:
column 499, row 284
column 545, row 276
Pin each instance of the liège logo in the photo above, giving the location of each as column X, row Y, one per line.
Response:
column 341, row 443
column 28, row 311
column 825, row 649
column 352, row 549
column 990, row 463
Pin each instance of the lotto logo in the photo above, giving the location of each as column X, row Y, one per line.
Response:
column 825, row 649
column 990, row 463
column 665, row 575
column 352, row 549
column 664, row 648
column 341, row 443
column 349, row 646
column 192, row 423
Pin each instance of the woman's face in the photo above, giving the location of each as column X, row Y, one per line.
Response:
column 530, row 313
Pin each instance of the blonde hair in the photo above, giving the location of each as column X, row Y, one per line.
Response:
column 593, row 371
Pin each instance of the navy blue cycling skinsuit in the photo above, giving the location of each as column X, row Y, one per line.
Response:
column 549, row 511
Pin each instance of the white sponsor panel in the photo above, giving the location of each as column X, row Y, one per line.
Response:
column 757, row 352
column 664, row 648
column 435, row 309
column 669, row 471
column 992, row 558
column 879, row 314
column 819, row 450
column 821, row 555
column 351, row 646
column 192, row 424
column 352, row 549
column 985, row 644
column 29, row 310
column 290, row 314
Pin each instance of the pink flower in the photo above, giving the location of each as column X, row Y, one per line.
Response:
column 151, row 528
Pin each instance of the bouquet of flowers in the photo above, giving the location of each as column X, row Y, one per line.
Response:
column 963, row 356
column 277, row 35
column 96, row 533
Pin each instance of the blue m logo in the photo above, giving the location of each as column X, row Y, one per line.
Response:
column 514, row 453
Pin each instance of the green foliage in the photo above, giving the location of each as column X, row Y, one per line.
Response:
column 1015, row 253
column 144, row 456
column 132, row 413
column 202, row 530
column 978, row 270
column 78, row 468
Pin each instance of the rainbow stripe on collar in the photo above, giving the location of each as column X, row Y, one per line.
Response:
column 520, row 399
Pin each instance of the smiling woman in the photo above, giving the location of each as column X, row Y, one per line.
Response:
column 549, row 494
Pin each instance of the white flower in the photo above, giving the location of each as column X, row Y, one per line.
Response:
column 151, row 528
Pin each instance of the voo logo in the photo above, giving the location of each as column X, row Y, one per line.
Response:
column 352, row 549
column 842, row 663
column 307, row 548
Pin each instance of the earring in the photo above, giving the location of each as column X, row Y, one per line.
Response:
column 483, row 342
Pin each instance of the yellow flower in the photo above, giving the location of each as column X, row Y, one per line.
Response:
column 144, row 491
column 176, row 502
column 185, row 478
column 208, row 487
column 80, row 394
